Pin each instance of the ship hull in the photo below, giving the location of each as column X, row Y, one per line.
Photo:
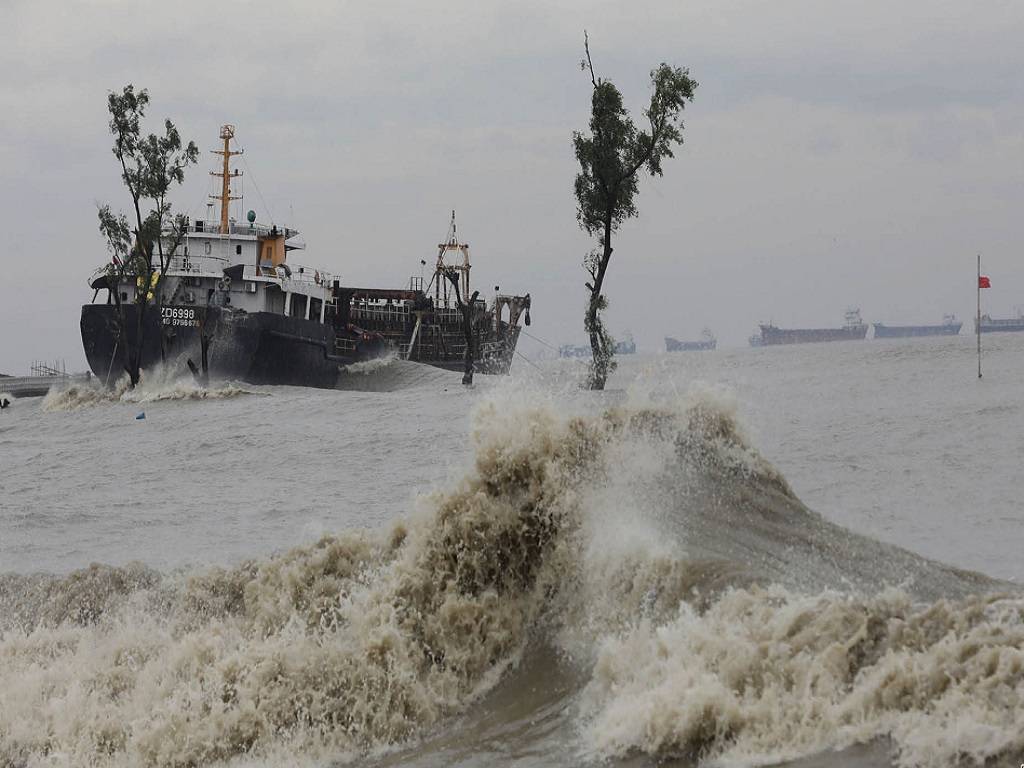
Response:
column 770, row 335
column 674, row 345
column 1001, row 326
column 904, row 331
column 259, row 347
column 255, row 347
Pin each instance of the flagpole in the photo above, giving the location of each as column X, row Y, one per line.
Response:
column 977, row 322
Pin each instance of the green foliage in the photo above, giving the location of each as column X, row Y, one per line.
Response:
column 116, row 231
column 150, row 166
column 614, row 151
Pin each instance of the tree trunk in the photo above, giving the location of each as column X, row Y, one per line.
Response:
column 467, row 330
column 135, row 350
column 600, row 365
column 201, row 373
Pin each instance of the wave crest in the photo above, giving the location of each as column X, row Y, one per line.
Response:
column 155, row 385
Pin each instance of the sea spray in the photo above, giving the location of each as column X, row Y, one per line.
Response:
column 366, row 367
column 157, row 384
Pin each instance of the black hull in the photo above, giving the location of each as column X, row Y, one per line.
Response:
column 258, row 347
column 906, row 331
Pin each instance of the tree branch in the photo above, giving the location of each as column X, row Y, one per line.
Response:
column 590, row 64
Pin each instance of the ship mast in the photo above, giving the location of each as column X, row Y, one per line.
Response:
column 452, row 244
column 227, row 133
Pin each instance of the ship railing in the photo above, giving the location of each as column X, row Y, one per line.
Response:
column 376, row 306
column 383, row 314
column 234, row 228
column 303, row 274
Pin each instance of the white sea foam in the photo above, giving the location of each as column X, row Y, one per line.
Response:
column 369, row 366
column 157, row 384
column 767, row 675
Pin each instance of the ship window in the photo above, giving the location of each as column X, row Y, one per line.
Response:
column 207, row 248
column 124, row 296
column 238, row 250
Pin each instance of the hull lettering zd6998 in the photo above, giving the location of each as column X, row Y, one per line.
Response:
column 180, row 316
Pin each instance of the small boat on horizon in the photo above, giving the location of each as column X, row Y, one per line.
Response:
column 627, row 346
column 707, row 341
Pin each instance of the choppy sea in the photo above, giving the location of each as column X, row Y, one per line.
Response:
column 799, row 556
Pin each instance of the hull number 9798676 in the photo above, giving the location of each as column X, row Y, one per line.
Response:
column 186, row 317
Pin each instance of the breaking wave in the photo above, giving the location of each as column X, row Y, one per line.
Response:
column 154, row 385
column 369, row 366
column 391, row 374
column 645, row 554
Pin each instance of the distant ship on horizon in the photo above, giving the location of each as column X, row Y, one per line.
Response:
column 625, row 347
column 707, row 341
column 950, row 326
column 854, row 329
column 1000, row 324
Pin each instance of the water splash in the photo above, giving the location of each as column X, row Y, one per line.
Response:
column 155, row 385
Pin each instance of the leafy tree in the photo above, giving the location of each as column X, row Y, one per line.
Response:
column 144, row 246
column 611, row 157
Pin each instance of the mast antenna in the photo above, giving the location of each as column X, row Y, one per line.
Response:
column 227, row 133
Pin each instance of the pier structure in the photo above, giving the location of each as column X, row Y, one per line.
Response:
column 44, row 376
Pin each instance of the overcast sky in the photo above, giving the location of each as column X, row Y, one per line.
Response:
column 837, row 153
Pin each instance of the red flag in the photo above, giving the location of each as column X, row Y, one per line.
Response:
column 984, row 282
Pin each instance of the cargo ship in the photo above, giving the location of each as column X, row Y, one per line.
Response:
column 233, row 297
column 707, row 341
column 1000, row 324
column 574, row 350
column 854, row 329
column 950, row 326
column 625, row 347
